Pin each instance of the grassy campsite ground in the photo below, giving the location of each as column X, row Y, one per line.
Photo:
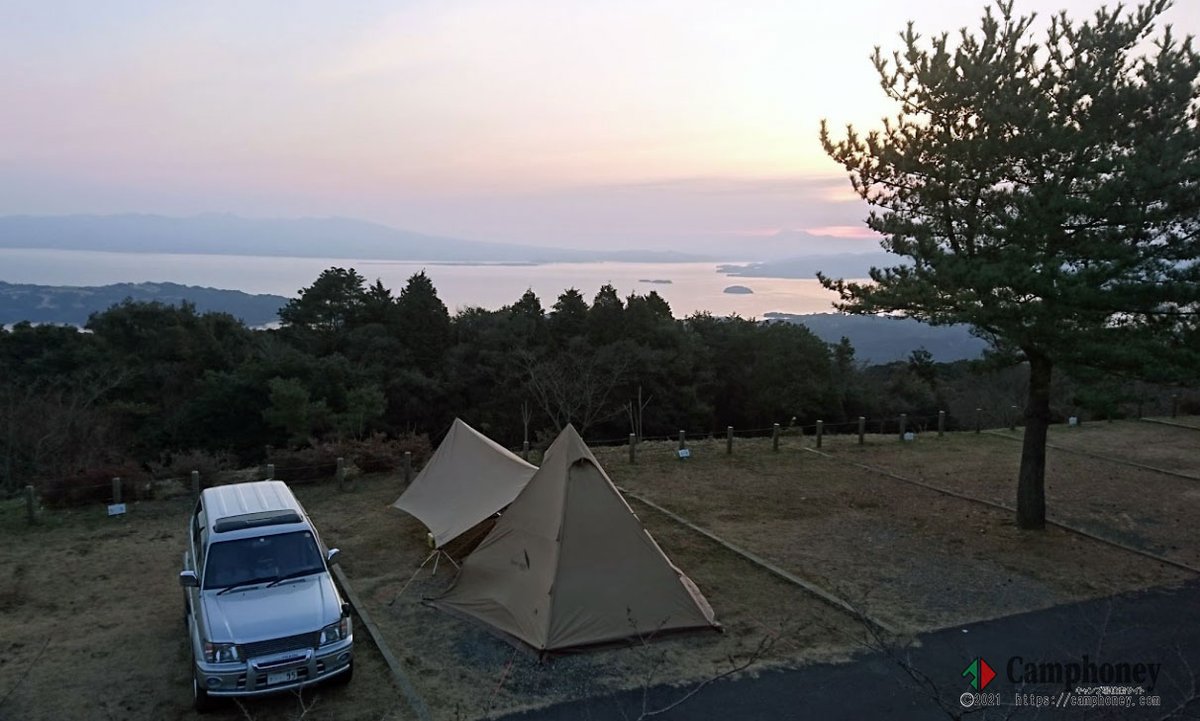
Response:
column 89, row 609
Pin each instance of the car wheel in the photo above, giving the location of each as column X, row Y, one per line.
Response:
column 201, row 701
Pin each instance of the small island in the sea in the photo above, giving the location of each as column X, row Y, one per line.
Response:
column 660, row 281
column 739, row 290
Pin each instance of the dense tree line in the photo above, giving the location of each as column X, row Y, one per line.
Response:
column 351, row 359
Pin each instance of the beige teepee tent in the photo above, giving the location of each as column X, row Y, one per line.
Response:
column 569, row 564
column 469, row 478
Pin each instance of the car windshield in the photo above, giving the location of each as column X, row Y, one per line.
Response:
column 261, row 559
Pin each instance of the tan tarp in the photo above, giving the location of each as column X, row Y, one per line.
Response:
column 469, row 478
column 569, row 564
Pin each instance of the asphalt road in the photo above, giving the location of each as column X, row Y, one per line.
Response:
column 1154, row 631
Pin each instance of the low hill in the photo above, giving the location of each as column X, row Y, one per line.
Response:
column 883, row 340
column 72, row 305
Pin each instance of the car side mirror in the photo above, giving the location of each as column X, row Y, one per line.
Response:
column 188, row 579
column 331, row 556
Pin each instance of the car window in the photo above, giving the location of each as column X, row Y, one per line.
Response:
column 261, row 558
column 197, row 536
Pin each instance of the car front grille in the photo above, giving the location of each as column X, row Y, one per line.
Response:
column 279, row 645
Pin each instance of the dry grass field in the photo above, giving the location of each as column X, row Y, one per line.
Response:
column 909, row 556
column 90, row 622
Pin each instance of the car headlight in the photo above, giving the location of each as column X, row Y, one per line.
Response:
column 335, row 632
column 221, row 652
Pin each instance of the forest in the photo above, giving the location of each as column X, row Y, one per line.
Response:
column 355, row 369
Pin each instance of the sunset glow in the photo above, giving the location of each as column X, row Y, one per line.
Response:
column 647, row 124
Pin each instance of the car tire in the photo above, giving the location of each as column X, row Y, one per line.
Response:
column 201, row 701
column 344, row 677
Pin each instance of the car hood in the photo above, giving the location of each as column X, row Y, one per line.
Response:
column 258, row 613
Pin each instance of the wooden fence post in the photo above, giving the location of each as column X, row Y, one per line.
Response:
column 682, row 440
column 862, row 429
column 340, row 473
column 407, row 467
column 116, row 490
column 633, row 448
column 1012, row 418
column 978, row 420
column 270, row 471
column 903, row 424
column 1174, row 405
column 31, row 505
column 729, row 440
column 941, row 423
column 820, row 432
column 775, row 437
column 195, row 484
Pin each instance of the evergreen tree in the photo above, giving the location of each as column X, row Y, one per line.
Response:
column 529, row 319
column 329, row 305
column 606, row 319
column 569, row 316
column 423, row 323
column 1043, row 192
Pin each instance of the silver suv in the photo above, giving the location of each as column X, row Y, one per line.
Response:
column 260, row 606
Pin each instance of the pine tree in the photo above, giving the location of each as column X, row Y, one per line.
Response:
column 1045, row 192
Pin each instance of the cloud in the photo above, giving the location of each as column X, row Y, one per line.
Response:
column 844, row 231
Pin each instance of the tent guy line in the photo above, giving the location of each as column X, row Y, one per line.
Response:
column 419, row 708
column 826, row 596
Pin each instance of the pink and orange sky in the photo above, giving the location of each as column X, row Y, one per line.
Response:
column 654, row 124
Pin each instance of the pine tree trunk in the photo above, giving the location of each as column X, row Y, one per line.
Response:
column 1031, row 485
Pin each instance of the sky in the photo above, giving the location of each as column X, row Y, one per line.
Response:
column 658, row 124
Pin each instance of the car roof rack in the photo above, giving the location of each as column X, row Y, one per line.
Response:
column 255, row 520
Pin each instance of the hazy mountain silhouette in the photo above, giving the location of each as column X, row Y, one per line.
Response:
column 788, row 243
column 73, row 304
column 225, row 234
column 848, row 265
column 883, row 340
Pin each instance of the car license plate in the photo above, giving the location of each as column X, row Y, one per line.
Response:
column 282, row 677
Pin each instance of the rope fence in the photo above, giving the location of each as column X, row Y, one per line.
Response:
column 903, row 426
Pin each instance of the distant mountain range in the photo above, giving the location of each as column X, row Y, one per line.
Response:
column 73, row 305
column 786, row 245
column 224, row 234
column 847, row 265
column 883, row 340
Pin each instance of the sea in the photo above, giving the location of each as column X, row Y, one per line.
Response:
column 687, row 287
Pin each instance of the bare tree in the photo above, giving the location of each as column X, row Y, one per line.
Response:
column 636, row 412
column 575, row 385
column 48, row 427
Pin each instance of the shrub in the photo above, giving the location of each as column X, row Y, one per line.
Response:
column 377, row 454
column 213, row 467
column 380, row 454
column 94, row 485
column 306, row 465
